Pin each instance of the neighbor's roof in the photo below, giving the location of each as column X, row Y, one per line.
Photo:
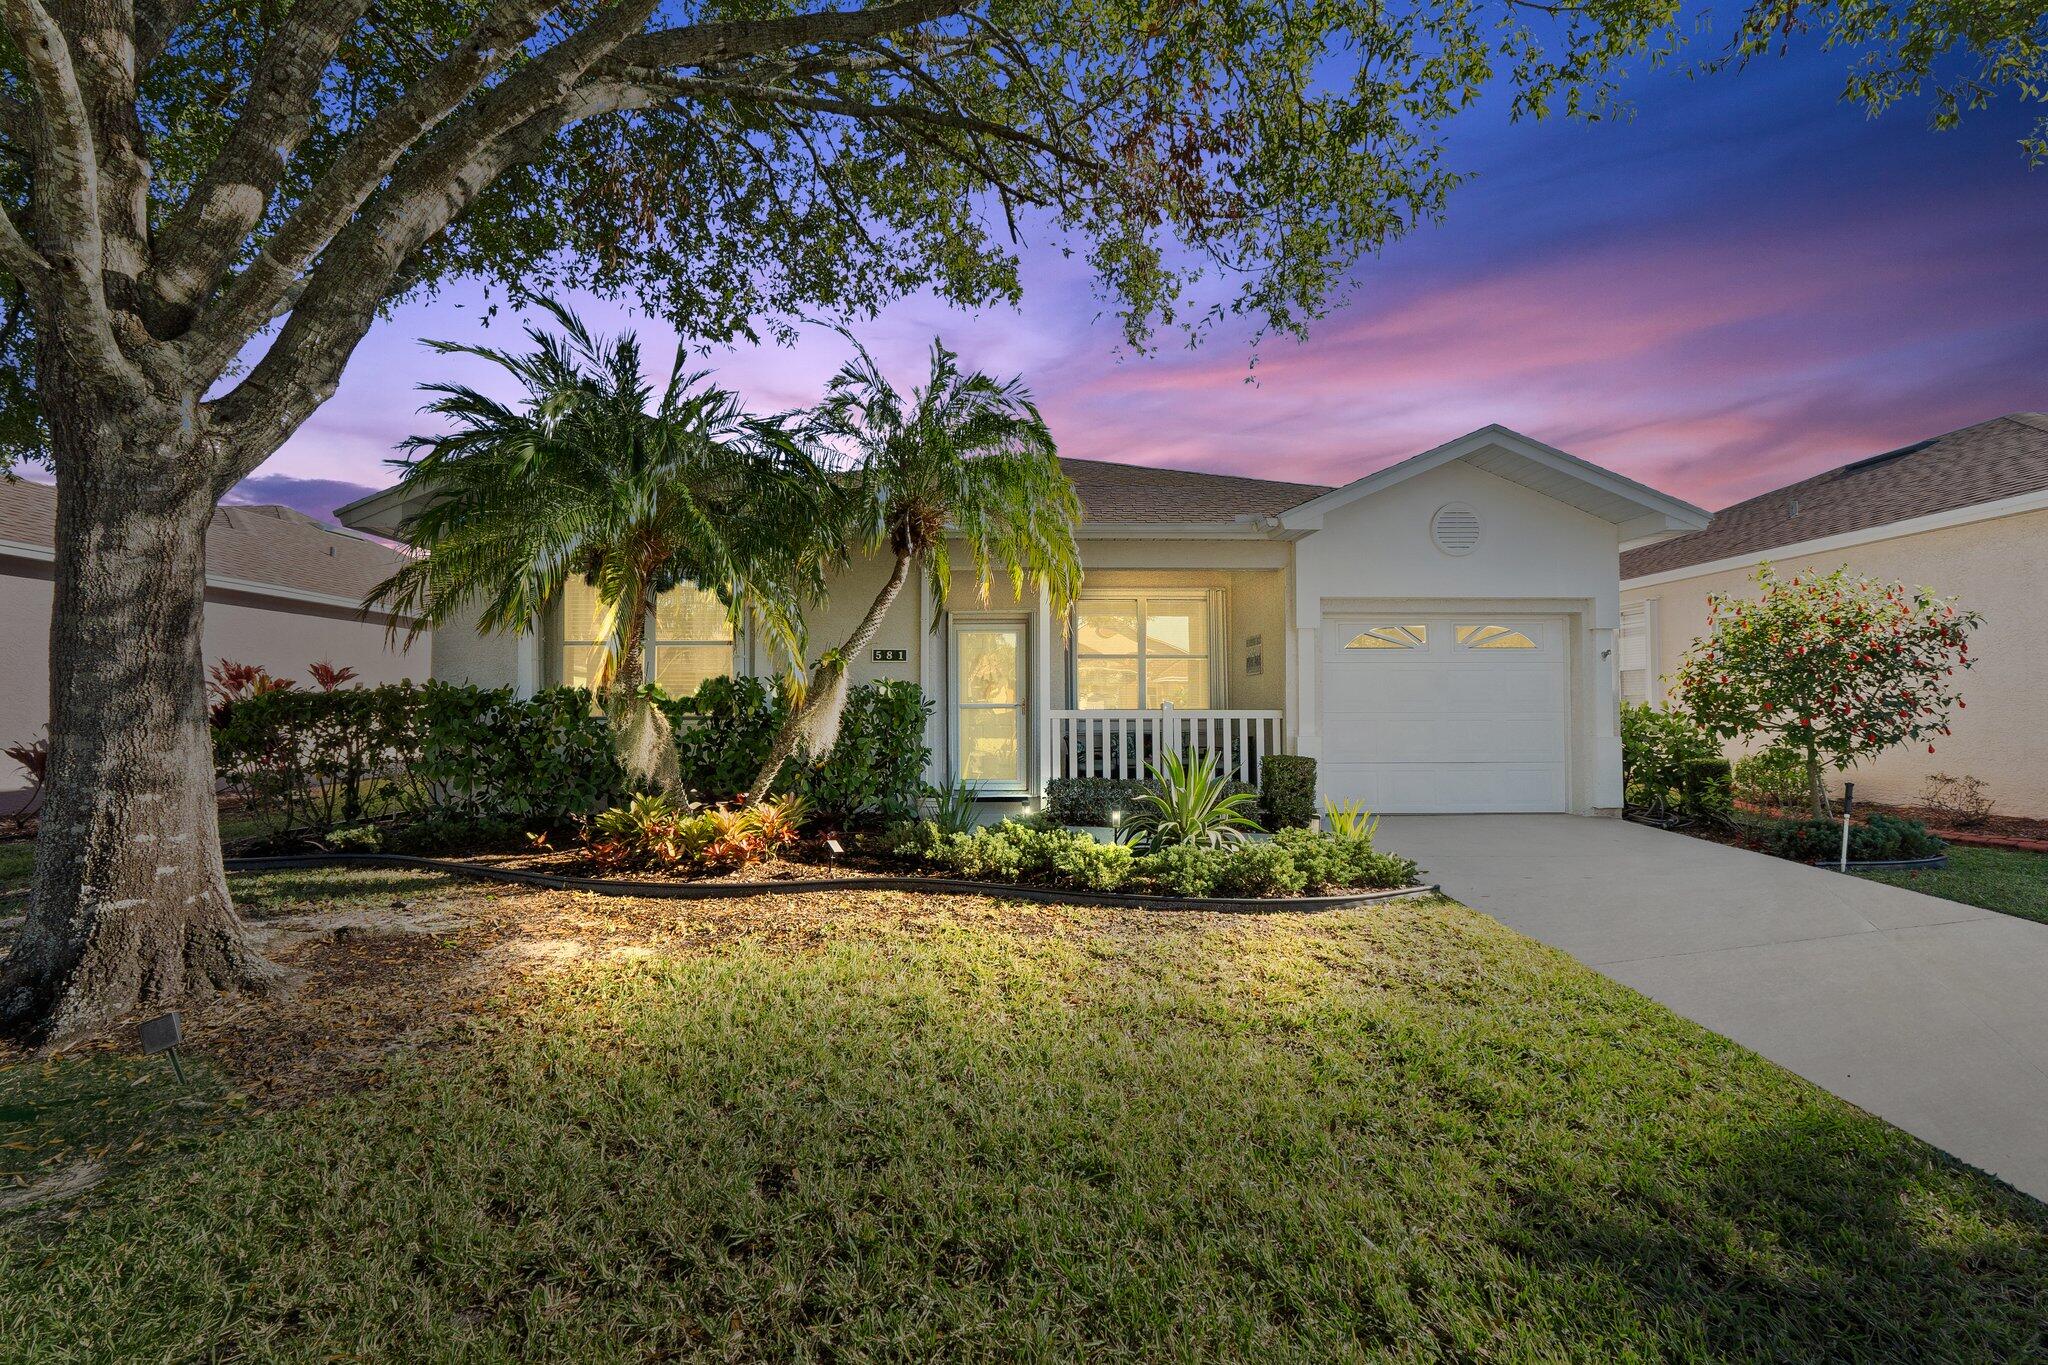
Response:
column 1127, row 493
column 273, row 547
column 1997, row 459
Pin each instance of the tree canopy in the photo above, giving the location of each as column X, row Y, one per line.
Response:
column 252, row 182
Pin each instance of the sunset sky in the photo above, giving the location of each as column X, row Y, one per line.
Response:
column 1747, row 283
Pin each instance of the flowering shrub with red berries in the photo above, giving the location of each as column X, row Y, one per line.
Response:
column 1836, row 666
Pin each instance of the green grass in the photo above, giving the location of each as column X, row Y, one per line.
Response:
column 1402, row 1132
column 2010, row 881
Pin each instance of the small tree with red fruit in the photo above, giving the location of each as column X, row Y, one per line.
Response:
column 1838, row 666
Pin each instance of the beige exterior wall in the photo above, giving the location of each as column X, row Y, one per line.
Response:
column 283, row 637
column 1998, row 568
column 462, row 655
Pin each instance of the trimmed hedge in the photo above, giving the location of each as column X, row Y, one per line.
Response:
column 449, row 757
column 1292, row 862
column 1880, row 838
column 1709, row 786
column 1287, row 791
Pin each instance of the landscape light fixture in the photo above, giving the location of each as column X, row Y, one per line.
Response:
column 163, row 1034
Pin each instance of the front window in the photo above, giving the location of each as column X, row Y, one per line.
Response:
column 1141, row 652
column 689, row 639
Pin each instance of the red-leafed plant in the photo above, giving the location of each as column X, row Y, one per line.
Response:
column 228, row 682
column 327, row 677
column 1840, row 667
column 34, row 758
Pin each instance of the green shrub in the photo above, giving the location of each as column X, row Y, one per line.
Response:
column 1880, row 838
column 451, row 755
column 985, row 855
column 1092, row 865
column 1287, row 791
column 1709, row 786
column 723, row 733
column 917, row 841
column 1090, row 800
column 874, row 772
column 1182, row 869
column 1656, row 746
column 1772, row 777
column 1330, row 862
column 1260, row 870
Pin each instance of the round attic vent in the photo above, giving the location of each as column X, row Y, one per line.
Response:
column 1455, row 528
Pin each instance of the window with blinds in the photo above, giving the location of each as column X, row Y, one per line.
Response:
column 1633, row 669
column 689, row 639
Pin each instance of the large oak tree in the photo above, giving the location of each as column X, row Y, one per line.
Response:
column 208, row 202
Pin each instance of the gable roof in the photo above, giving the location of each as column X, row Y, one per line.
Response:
column 252, row 548
column 1984, row 463
column 1130, row 493
column 1641, row 511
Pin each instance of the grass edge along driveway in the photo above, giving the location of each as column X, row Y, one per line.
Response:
column 988, row 1130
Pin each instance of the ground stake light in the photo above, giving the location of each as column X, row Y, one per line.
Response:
column 163, row 1034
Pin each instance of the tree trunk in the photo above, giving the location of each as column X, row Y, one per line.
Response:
column 1816, row 790
column 129, row 908
column 826, row 692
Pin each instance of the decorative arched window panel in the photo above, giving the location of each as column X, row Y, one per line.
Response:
column 1392, row 637
column 1493, row 637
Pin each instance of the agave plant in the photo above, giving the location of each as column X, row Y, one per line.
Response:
column 1188, row 803
column 953, row 809
column 1351, row 820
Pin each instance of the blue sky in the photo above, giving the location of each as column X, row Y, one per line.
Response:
column 1747, row 282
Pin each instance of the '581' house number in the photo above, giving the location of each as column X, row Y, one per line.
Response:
column 891, row 656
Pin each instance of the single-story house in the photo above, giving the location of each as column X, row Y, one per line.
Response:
column 1964, row 515
column 282, row 590
column 1436, row 634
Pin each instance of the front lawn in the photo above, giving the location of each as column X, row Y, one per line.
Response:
column 2010, row 881
column 878, row 1125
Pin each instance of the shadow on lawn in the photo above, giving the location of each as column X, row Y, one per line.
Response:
column 1824, row 1236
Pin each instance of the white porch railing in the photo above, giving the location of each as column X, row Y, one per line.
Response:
column 1125, row 744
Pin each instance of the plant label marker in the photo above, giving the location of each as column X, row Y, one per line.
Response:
column 163, row 1034
column 1848, row 804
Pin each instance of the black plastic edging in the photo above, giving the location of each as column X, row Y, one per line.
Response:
column 947, row 886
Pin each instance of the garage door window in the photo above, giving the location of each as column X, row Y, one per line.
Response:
column 1493, row 637
column 1408, row 636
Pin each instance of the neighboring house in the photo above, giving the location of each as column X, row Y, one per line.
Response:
column 1435, row 634
column 282, row 590
column 1964, row 515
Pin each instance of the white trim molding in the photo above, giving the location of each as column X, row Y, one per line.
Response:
column 2035, row 501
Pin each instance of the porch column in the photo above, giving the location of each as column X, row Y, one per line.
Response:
column 1045, row 644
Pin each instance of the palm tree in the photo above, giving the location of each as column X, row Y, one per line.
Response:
column 965, row 458
column 597, row 474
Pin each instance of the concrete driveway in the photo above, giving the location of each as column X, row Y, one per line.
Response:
column 1931, row 1014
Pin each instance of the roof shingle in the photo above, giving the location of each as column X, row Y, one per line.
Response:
column 1128, row 493
column 1997, row 459
column 275, row 546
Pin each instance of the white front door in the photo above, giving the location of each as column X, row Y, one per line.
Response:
column 1446, row 713
column 991, row 719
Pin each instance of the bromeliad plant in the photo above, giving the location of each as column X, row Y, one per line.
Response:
column 1188, row 803
column 1840, row 667
column 1351, row 820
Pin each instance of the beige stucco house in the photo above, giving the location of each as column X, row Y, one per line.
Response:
column 282, row 590
column 1965, row 515
column 1436, row 634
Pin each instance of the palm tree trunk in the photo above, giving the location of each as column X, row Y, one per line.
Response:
column 828, row 682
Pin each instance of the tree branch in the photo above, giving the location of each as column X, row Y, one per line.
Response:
column 227, row 322
column 199, row 243
column 64, row 205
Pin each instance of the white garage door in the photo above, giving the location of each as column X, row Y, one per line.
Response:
column 1445, row 713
